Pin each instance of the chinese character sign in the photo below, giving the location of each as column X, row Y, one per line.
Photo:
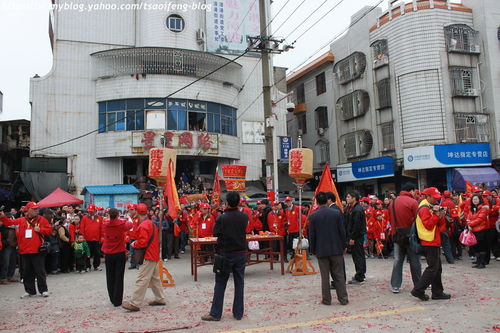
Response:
column 228, row 25
column 300, row 164
column 234, row 176
column 158, row 162
column 285, row 146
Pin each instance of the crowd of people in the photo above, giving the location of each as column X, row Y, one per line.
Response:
column 67, row 238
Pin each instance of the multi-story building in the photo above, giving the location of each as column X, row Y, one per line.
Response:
column 415, row 96
column 115, row 89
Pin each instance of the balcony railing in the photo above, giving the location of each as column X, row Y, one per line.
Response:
column 170, row 61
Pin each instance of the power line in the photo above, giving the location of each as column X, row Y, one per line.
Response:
column 317, row 21
column 279, row 11
column 303, row 21
column 289, row 16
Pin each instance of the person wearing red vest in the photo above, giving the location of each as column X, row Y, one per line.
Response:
column 276, row 220
column 31, row 230
column 431, row 217
column 148, row 275
column 91, row 229
column 478, row 223
column 203, row 222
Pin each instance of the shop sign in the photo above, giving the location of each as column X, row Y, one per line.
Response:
column 444, row 156
column 285, row 146
column 184, row 142
column 366, row 169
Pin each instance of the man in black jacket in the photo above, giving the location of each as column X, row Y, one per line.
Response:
column 328, row 243
column 230, row 228
column 354, row 218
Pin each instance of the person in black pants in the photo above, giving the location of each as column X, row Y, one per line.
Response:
column 354, row 217
column 113, row 247
column 230, row 228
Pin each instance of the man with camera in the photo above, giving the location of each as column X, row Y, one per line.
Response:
column 430, row 223
column 30, row 236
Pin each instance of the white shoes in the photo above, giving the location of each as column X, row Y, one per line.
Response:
column 26, row 295
column 45, row 294
column 395, row 290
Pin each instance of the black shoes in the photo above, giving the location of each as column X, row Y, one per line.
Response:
column 344, row 302
column 479, row 266
column 421, row 296
column 441, row 296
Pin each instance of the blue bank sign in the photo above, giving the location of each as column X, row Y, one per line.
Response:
column 367, row 169
column 285, row 146
column 444, row 156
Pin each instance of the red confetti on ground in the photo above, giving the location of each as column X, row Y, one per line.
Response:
column 496, row 328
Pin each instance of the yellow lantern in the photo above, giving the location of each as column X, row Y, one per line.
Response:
column 300, row 165
column 158, row 163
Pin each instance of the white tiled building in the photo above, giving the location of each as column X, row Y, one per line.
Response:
column 111, row 73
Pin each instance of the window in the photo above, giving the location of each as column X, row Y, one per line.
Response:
column 380, row 53
column 387, row 130
column 462, row 38
column 323, row 151
column 384, row 93
column 472, row 127
column 175, row 23
column 463, row 81
column 353, row 105
column 301, row 94
column 180, row 114
column 302, row 123
column 322, row 117
column 357, row 143
column 350, row 68
column 320, row 83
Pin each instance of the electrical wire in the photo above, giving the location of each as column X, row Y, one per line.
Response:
column 289, row 16
column 317, row 21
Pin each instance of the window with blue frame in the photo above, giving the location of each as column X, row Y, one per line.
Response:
column 182, row 115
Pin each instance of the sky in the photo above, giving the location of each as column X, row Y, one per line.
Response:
column 25, row 46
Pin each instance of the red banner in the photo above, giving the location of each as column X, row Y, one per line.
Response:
column 234, row 170
column 235, row 185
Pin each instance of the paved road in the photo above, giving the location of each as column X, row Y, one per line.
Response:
column 274, row 303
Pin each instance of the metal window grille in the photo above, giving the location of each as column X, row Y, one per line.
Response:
column 353, row 105
column 158, row 60
column 472, row 127
column 350, row 68
column 380, row 53
column 462, row 38
column 365, row 142
column 323, row 151
column 387, row 130
column 349, row 141
column 357, row 143
column 322, row 117
column 384, row 93
column 463, row 81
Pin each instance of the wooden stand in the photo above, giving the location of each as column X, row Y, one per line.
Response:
column 165, row 277
column 300, row 265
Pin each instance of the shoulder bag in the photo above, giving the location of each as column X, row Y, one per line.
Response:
column 140, row 253
column 45, row 246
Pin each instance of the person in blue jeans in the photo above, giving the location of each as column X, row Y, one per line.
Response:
column 230, row 228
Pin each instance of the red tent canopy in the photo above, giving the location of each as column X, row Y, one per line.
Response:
column 59, row 198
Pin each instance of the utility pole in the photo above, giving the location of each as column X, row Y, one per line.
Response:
column 266, row 45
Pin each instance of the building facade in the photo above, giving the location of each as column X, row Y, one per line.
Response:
column 116, row 84
column 415, row 95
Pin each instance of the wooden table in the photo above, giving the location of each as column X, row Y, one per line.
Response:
column 205, row 257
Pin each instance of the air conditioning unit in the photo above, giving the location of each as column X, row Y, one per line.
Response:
column 474, row 48
column 200, row 36
column 321, row 131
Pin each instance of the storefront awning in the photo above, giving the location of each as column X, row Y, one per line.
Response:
column 475, row 176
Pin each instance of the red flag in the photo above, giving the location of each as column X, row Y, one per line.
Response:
column 468, row 187
column 216, row 190
column 171, row 193
column 326, row 184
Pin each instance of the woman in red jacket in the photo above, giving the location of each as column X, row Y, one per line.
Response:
column 477, row 221
column 113, row 247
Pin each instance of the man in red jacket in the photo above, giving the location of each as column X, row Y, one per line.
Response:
column 30, row 232
column 91, row 229
column 147, row 237
column 431, row 220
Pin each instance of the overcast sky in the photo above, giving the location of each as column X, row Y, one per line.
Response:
column 25, row 47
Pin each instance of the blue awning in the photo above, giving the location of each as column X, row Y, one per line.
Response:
column 475, row 176
column 110, row 189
